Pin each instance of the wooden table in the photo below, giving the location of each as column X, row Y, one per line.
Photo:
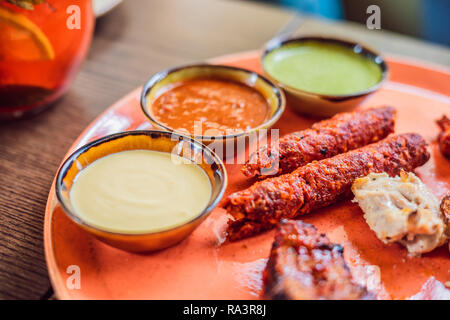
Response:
column 130, row 44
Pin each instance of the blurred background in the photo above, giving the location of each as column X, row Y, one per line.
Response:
column 425, row 19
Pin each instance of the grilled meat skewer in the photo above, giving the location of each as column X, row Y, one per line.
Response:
column 325, row 139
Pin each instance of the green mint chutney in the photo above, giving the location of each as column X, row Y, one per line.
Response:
column 322, row 68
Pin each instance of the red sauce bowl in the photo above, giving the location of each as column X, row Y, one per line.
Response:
column 163, row 80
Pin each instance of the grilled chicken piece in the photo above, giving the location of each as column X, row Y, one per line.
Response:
column 444, row 136
column 305, row 265
column 445, row 209
column 401, row 209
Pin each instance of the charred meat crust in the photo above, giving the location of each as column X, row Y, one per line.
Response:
column 319, row 184
column 341, row 133
column 305, row 265
column 444, row 136
column 445, row 206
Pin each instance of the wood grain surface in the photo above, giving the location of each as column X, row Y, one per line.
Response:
column 130, row 44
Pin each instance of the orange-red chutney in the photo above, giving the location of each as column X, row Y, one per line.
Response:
column 211, row 107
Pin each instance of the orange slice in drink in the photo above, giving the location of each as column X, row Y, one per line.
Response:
column 21, row 39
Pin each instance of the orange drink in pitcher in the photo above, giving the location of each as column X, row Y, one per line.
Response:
column 42, row 44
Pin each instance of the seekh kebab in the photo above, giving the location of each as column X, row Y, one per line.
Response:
column 319, row 184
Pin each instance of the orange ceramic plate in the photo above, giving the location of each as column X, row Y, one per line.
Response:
column 201, row 267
